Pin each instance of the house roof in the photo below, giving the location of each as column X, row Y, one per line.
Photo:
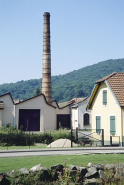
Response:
column 105, row 78
column 116, row 83
column 63, row 104
column 36, row 97
column 72, row 101
column 78, row 100
column 85, row 99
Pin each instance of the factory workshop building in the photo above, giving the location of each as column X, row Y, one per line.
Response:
column 33, row 114
column 38, row 113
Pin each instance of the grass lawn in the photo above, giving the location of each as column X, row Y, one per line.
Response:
column 7, row 164
column 21, row 147
column 27, row 147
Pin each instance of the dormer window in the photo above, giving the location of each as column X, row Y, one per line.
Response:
column 104, row 97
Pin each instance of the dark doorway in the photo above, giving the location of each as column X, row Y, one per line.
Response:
column 29, row 119
column 63, row 120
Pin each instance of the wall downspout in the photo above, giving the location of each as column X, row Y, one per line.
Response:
column 14, row 115
column 71, row 117
column 122, row 126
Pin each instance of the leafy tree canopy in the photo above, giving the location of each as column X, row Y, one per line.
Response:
column 78, row 83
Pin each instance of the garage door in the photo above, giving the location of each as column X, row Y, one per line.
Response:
column 64, row 120
column 29, row 119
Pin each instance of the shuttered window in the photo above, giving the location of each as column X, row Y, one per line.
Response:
column 98, row 124
column 112, row 125
column 104, row 97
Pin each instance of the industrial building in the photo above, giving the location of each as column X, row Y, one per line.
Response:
column 38, row 113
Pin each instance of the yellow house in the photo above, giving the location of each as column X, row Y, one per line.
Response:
column 107, row 108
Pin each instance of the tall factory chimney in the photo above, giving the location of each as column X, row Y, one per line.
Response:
column 46, row 70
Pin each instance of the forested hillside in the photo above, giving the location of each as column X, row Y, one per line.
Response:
column 65, row 87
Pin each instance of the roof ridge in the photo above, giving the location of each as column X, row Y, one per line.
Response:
column 120, row 72
column 106, row 77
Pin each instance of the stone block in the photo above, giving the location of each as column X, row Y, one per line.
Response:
column 92, row 172
column 99, row 166
column 73, row 167
column 57, row 167
column 36, row 168
column 83, row 170
column 102, row 175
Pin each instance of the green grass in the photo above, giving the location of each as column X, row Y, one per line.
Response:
column 31, row 147
column 21, row 147
column 7, row 164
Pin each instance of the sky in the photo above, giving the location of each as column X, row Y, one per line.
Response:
column 83, row 33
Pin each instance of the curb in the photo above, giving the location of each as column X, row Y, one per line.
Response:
column 62, row 149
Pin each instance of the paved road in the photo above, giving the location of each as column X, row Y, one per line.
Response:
column 60, row 151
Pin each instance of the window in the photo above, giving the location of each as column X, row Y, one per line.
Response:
column 112, row 125
column 98, row 124
column 104, row 97
column 86, row 119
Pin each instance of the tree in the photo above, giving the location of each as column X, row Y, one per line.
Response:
column 38, row 92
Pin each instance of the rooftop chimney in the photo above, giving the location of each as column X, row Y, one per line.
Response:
column 46, row 70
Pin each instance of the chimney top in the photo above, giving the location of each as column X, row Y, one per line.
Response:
column 46, row 14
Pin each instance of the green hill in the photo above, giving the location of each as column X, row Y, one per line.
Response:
column 78, row 83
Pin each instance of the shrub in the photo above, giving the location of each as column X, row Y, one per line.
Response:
column 7, row 128
column 62, row 133
column 11, row 136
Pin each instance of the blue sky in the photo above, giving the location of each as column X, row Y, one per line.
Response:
column 83, row 32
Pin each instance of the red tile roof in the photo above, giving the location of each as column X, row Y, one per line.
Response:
column 105, row 78
column 78, row 100
column 72, row 101
column 116, row 83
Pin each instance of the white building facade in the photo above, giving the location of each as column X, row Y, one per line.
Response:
column 33, row 114
column 80, row 118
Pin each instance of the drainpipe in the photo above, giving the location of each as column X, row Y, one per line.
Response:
column 14, row 115
column 76, row 101
column 122, row 126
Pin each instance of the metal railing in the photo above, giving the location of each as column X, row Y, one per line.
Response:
column 84, row 137
column 114, row 140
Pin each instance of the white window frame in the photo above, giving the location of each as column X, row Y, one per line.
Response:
column 100, row 122
column 115, row 124
column 102, row 97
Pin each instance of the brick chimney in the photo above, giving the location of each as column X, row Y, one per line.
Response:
column 46, row 68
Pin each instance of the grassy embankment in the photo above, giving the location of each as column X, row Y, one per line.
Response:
column 7, row 164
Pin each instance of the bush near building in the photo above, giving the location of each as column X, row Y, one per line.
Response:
column 10, row 136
